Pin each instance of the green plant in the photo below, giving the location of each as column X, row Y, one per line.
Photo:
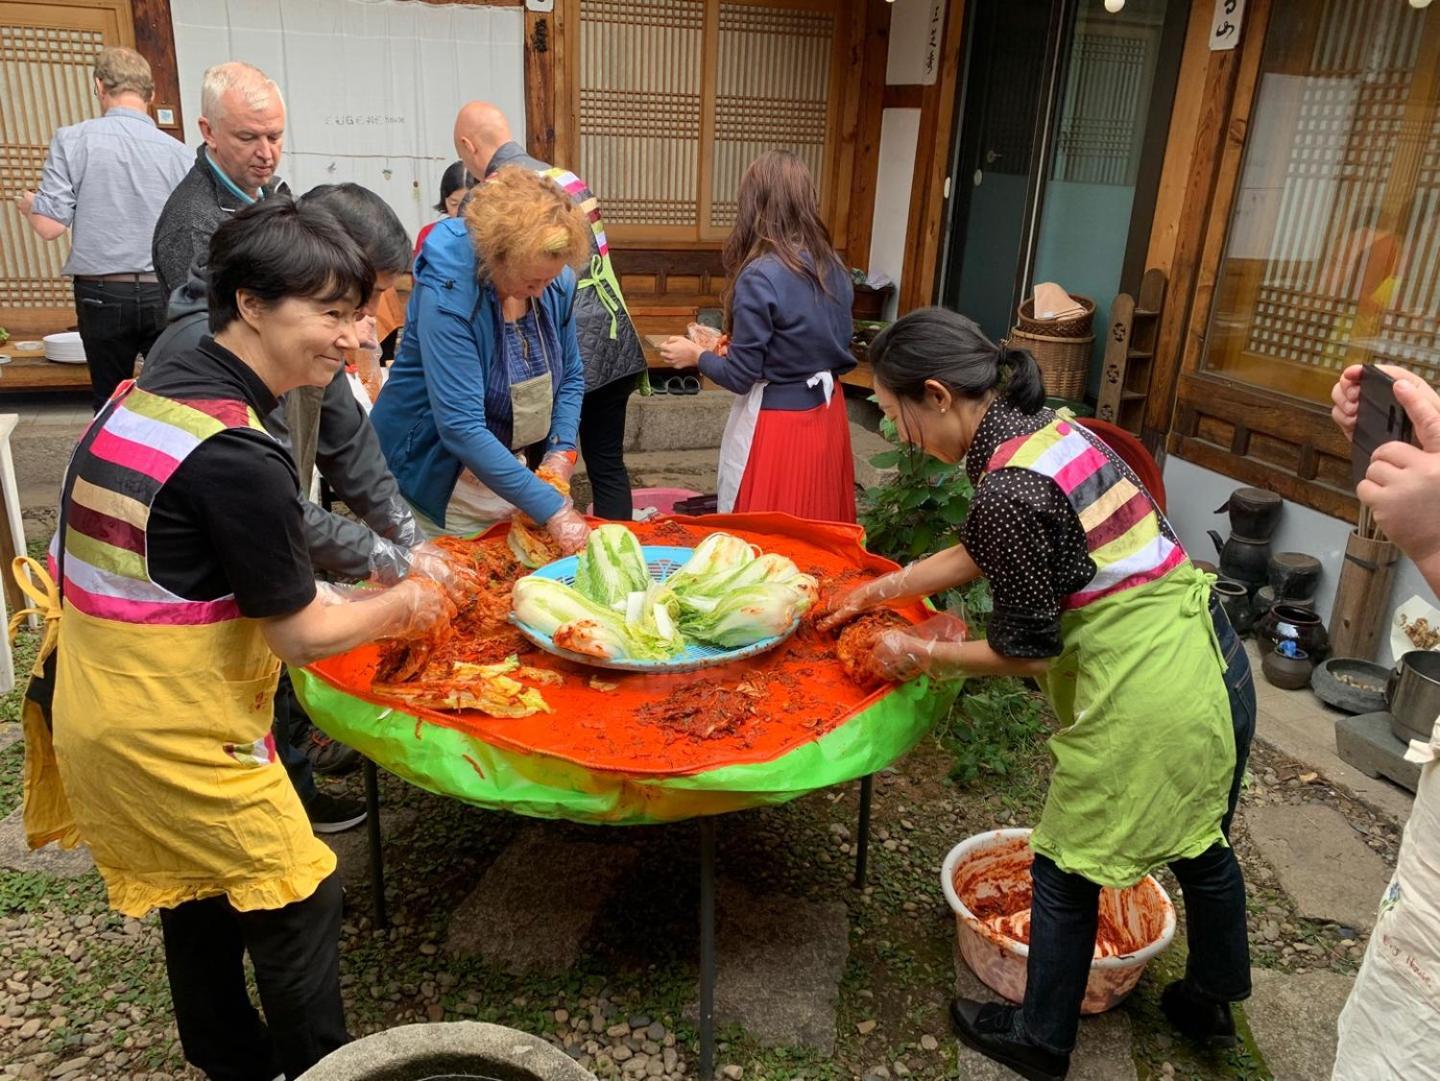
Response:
column 915, row 514
column 4, row 335
column 993, row 725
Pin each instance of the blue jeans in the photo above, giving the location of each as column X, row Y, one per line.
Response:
column 1065, row 908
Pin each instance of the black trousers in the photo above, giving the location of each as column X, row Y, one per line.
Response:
column 602, row 442
column 296, row 954
column 117, row 320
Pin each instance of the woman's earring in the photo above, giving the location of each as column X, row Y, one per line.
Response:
column 942, row 411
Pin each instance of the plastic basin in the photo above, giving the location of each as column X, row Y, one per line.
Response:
column 989, row 869
column 662, row 499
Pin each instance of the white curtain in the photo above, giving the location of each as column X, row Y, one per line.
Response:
column 371, row 86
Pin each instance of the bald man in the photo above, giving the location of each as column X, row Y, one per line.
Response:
column 608, row 343
column 242, row 120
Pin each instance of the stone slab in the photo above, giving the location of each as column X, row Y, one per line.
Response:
column 677, row 422
column 1292, row 1018
column 517, row 918
column 1102, row 1052
column 1366, row 742
column 15, row 854
column 780, row 961
column 458, row 1048
column 352, row 848
column 10, row 732
column 1321, row 862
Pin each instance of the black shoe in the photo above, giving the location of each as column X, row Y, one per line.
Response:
column 1207, row 1022
column 986, row 1027
column 328, row 755
column 331, row 815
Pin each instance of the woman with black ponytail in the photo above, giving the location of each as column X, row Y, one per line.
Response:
column 1096, row 600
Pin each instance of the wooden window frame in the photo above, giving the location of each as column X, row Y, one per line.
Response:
column 1257, row 436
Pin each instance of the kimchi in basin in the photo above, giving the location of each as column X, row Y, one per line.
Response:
column 986, row 879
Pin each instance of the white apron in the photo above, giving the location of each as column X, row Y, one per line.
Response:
column 1390, row 1027
column 740, row 435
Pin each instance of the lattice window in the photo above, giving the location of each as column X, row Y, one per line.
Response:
column 1333, row 254
column 45, row 83
column 677, row 97
column 1105, row 105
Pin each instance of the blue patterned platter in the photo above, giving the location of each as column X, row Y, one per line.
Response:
column 662, row 563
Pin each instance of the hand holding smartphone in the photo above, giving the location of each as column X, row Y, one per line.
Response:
column 1381, row 419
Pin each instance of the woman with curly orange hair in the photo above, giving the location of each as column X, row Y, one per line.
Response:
column 488, row 380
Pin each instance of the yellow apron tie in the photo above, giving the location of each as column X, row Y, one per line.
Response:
column 35, row 582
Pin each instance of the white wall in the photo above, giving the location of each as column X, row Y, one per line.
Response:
column 1193, row 493
column 371, row 86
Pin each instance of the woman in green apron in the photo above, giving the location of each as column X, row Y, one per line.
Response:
column 488, row 378
column 1095, row 599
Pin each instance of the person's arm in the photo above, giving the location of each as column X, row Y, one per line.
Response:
column 348, row 455
column 331, row 623
column 932, row 575
column 51, row 209
column 454, row 364
column 175, row 248
column 1402, row 485
column 903, row 656
column 752, row 324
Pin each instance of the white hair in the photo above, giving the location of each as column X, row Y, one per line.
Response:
column 254, row 85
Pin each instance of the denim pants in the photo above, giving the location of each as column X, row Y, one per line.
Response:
column 117, row 320
column 1065, row 909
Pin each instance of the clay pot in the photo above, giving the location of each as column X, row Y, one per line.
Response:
column 1254, row 512
column 1292, row 623
column 1243, row 559
column 1288, row 671
column 1235, row 600
column 1294, row 575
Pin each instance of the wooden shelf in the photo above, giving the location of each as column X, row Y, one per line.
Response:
column 1130, row 352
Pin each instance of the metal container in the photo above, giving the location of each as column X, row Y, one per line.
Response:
column 1413, row 695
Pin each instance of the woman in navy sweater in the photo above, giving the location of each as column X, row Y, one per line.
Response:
column 787, row 443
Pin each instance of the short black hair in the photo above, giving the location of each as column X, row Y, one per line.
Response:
column 455, row 177
column 278, row 248
column 369, row 220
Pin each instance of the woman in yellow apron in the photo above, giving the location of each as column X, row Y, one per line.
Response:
column 1096, row 599
column 488, row 376
column 184, row 578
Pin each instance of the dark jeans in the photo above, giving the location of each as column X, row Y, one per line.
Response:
column 1065, row 908
column 116, row 320
column 295, row 951
column 602, row 442
column 289, row 721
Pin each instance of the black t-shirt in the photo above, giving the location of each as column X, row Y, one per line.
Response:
column 228, row 520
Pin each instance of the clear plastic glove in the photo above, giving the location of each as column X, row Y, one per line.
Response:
column 903, row 655
column 428, row 560
column 560, row 463
column 329, row 594
column 872, row 594
column 569, row 529
column 422, row 608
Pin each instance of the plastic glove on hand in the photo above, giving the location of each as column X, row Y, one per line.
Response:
column 899, row 656
column 424, row 609
column 429, row 560
column 569, row 530
column 862, row 598
column 559, row 464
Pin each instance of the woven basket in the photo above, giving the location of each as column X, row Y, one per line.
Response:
column 1074, row 326
column 1064, row 362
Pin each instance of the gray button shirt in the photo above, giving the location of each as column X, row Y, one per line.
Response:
column 108, row 179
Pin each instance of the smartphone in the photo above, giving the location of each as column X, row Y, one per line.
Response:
column 1382, row 419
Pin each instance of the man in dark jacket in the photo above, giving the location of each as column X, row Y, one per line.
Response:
column 609, row 346
column 384, row 548
column 243, row 123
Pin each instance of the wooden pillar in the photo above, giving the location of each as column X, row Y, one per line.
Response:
column 155, row 41
column 540, row 84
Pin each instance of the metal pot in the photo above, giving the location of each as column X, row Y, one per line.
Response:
column 1254, row 512
column 1412, row 695
column 1243, row 559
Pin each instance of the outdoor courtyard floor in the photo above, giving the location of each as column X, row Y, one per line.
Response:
column 588, row 935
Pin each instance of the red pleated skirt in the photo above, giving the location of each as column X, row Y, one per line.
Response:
column 800, row 463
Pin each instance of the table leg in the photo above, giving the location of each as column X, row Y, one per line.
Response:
column 377, row 858
column 862, row 830
column 707, row 948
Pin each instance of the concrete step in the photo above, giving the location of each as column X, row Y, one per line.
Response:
column 676, row 422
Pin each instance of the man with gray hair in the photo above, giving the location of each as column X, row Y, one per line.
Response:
column 243, row 124
column 106, row 181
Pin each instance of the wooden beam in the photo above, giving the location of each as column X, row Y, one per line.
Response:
column 540, row 85
column 932, row 162
column 904, row 96
column 155, row 41
column 875, row 54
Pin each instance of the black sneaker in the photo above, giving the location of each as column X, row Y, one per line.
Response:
column 986, row 1027
column 331, row 815
column 327, row 755
column 1207, row 1022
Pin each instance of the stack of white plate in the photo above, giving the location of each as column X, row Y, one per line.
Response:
column 65, row 348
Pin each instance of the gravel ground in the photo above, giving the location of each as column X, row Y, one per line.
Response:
column 83, row 992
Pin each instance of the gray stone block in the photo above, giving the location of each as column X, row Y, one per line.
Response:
column 674, row 422
column 1321, row 862
column 15, row 853
column 462, row 1048
column 1292, row 1018
column 1366, row 742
